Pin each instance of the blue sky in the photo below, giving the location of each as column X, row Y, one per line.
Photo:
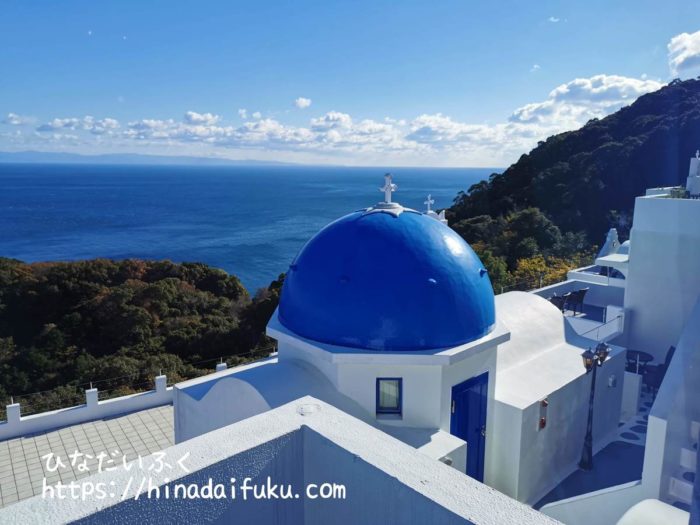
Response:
column 436, row 83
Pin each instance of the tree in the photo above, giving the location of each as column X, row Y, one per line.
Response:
column 122, row 321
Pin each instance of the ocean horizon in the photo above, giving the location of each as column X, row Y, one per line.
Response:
column 247, row 220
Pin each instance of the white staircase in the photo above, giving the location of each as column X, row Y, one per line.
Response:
column 680, row 486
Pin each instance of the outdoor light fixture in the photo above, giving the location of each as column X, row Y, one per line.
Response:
column 544, row 403
column 591, row 362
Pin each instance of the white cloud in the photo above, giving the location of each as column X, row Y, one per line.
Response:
column 604, row 89
column 331, row 120
column 337, row 137
column 553, row 19
column 14, row 119
column 684, row 55
column 243, row 113
column 575, row 102
column 302, row 102
column 87, row 123
column 60, row 123
column 171, row 130
column 535, row 68
column 209, row 119
column 100, row 126
column 441, row 129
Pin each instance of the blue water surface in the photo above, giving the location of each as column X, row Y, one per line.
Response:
column 250, row 221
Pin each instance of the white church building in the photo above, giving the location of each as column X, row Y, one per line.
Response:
column 390, row 316
column 400, row 374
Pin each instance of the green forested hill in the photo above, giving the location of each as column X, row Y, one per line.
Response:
column 67, row 324
column 561, row 198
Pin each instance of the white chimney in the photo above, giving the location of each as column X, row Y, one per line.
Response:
column 693, row 184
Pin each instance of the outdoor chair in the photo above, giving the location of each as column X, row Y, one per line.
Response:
column 566, row 297
column 575, row 301
column 582, row 293
column 559, row 301
column 654, row 374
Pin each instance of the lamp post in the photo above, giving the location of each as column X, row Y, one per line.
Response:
column 591, row 361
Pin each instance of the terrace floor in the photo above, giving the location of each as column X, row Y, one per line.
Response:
column 22, row 469
column 620, row 462
column 590, row 323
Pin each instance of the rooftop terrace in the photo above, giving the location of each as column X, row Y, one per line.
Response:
column 22, row 468
column 306, row 441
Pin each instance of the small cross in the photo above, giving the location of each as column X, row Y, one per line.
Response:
column 388, row 188
column 429, row 202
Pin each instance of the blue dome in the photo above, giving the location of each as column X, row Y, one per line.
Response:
column 377, row 281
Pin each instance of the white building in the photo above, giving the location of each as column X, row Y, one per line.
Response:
column 664, row 271
column 389, row 315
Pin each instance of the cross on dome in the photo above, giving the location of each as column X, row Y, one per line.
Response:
column 387, row 205
column 429, row 202
column 388, row 188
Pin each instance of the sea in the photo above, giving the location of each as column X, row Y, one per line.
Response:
column 248, row 220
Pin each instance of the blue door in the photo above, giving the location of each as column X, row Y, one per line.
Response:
column 468, row 420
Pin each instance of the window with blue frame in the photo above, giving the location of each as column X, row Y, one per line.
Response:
column 389, row 395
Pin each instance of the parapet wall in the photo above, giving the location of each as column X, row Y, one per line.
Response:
column 93, row 409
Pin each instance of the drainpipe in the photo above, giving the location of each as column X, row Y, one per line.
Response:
column 695, row 503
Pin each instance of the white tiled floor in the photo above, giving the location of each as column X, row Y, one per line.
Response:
column 22, row 470
column 635, row 430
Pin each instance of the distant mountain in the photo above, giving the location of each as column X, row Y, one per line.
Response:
column 42, row 157
column 586, row 180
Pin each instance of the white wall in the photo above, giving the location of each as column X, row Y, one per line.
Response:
column 631, row 394
column 213, row 401
column 603, row 507
column 547, row 456
column 16, row 425
column 376, row 497
column 226, row 402
column 421, row 391
column 529, row 462
column 288, row 348
column 676, row 406
column 664, row 272
column 542, row 360
column 427, row 388
column 502, row 472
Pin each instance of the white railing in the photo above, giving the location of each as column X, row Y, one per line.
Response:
column 610, row 328
column 579, row 274
column 18, row 425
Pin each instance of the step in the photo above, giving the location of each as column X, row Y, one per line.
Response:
column 695, row 431
column 680, row 489
column 689, row 457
